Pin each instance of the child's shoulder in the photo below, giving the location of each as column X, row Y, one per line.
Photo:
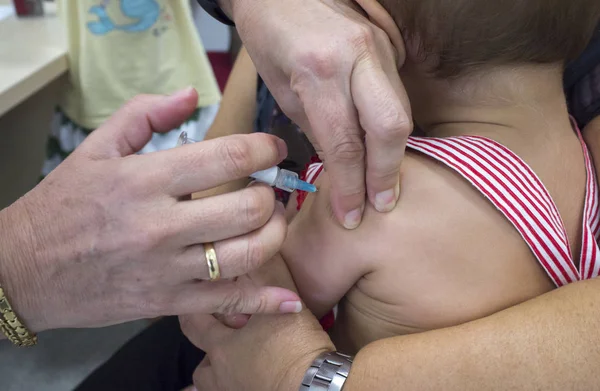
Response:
column 429, row 261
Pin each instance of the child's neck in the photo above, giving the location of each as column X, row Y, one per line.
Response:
column 506, row 104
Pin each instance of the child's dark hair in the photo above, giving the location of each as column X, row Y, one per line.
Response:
column 467, row 34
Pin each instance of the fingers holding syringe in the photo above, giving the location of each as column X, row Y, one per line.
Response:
column 237, row 255
column 205, row 165
column 223, row 216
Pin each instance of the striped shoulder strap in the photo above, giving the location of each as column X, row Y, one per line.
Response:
column 515, row 190
column 310, row 175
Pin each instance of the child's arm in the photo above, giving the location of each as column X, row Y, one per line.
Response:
column 314, row 235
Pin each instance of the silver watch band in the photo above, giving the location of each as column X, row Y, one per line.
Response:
column 327, row 373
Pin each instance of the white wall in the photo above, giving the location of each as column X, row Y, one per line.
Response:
column 214, row 34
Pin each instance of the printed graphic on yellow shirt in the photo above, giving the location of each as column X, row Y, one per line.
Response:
column 143, row 13
column 122, row 48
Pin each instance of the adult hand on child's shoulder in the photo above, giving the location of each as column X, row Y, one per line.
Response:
column 336, row 75
column 110, row 236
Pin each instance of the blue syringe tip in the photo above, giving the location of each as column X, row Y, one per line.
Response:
column 286, row 180
column 305, row 186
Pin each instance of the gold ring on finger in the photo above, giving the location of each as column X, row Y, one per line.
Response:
column 211, row 260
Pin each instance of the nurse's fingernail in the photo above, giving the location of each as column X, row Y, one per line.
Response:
column 352, row 219
column 183, row 93
column 290, row 307
column 386, row 200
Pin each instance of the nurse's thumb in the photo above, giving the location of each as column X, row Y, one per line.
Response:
column 130, row 128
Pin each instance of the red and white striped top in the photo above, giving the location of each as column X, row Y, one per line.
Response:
column 512, row 187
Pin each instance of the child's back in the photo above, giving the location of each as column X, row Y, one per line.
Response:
column 475, row 231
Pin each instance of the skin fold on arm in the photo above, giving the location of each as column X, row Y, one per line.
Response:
column 548, row 343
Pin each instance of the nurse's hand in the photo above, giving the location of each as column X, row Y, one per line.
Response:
column 335, row 74
column 269, row 353
column 107, row 237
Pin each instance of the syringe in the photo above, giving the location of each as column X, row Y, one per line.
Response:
column 274, row 176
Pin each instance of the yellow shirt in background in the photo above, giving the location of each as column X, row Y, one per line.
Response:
column 121, row 48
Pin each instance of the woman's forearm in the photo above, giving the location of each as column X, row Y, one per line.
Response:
column 236, row 112
column 549, row 343
column 238, row 106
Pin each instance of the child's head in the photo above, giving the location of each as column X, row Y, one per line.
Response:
column 462, row 35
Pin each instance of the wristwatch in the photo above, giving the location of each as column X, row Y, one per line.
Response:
column 327, row 373
column 213, row 9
